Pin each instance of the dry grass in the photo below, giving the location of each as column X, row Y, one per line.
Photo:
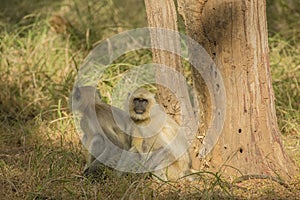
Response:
column 41, row 156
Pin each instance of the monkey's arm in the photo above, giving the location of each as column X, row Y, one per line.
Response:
column 137, row 145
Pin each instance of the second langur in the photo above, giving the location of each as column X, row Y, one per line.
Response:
column 145, row 113
column 95, row 113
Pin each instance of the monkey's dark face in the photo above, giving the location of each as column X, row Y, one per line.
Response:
column 84, row 97
column 140, row 105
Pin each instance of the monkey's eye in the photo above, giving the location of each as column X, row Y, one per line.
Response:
column 145, row 101
column 136, row 100
column 140, row 100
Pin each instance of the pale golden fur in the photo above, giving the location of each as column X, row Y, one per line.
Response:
column 165, row 136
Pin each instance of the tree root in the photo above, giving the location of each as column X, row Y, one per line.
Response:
column 261, row 176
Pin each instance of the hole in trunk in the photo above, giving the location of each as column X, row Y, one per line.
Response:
column 217, row 87
column 240, row 130
column 241, row 150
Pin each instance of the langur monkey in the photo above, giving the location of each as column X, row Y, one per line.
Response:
column 145, row 113
column 95, row 113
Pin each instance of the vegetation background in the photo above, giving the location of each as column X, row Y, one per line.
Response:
column 43, row 43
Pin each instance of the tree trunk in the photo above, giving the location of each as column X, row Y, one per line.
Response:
column 235, row 35
column 175, row 97
column 194, row 29
column 162, row 14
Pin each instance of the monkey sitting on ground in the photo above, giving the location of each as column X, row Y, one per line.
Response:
column 156, row 132
column 102, row 136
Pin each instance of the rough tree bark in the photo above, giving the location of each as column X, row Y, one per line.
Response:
column 162, row 14
column 234, row 33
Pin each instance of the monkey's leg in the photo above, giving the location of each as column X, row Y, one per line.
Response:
column 96, row 147
column 96, row 170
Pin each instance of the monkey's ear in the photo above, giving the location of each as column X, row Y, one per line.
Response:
column 128, row 95
column 126, row 102
column 154, row 96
